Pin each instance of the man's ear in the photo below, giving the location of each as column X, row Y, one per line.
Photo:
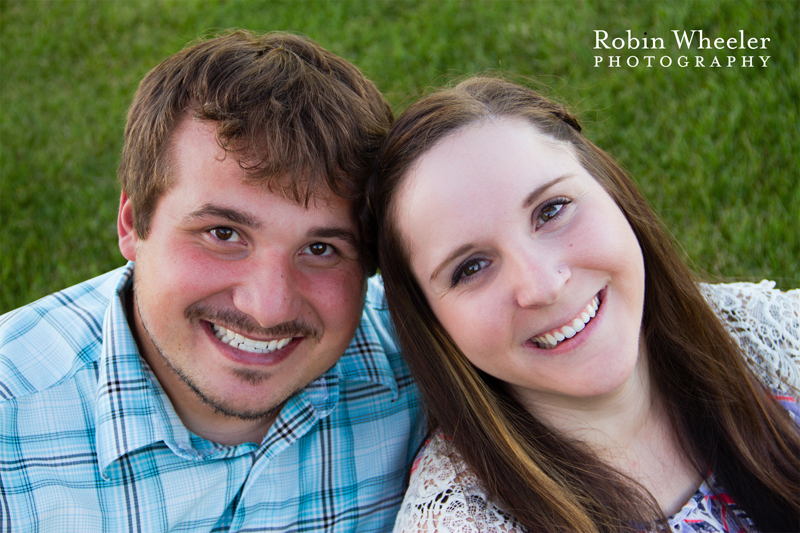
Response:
column 127, row 234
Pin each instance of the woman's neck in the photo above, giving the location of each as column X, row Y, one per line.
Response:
column 630, row 430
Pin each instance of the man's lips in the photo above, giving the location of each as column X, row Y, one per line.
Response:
column 237, row 340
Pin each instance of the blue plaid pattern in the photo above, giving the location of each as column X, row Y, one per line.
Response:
column 90, row 442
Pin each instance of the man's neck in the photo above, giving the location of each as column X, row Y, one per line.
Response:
column 223, row 429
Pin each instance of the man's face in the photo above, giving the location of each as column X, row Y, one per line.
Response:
column 226, row 258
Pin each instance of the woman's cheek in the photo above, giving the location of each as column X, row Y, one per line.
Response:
column 479, row 326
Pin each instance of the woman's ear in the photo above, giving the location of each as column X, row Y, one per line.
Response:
column 125, row 230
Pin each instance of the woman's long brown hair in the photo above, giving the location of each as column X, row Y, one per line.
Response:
column 727, row 420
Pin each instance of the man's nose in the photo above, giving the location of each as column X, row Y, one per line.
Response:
column 268, row 292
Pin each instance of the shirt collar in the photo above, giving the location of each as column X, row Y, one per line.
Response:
column 365, row 360
column 128, row 412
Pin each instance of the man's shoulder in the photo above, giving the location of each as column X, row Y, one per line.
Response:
column 374, row 354
column 376, row 322
column 45, row 341
column 376, row 309
column 376, row 295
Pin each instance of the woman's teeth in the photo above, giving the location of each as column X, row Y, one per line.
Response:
column 552, row 338
column 248, row 345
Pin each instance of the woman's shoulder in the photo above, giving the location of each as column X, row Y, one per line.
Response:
column 445, row 495
column 766, row 323
column 732, row 296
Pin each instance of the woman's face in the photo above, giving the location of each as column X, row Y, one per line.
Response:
column 527, row 262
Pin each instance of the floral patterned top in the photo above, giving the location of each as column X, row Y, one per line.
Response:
column 444, row 495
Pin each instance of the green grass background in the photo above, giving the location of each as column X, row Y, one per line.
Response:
column 715, row 149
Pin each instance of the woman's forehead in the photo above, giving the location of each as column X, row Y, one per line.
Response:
column 489, row 154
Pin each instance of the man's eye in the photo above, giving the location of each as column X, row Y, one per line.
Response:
column 226, row 234
column 320, row 249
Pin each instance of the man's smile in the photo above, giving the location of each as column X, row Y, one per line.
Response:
column 237, row 340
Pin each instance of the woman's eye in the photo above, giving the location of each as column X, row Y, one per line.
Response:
column 551, row 211
column 470, row 268
column 319, row 249
column 226, row 234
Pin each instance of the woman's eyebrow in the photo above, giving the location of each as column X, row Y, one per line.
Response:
column 454, row 254
column 538, row 191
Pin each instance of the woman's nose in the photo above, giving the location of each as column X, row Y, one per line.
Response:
column 539, row 281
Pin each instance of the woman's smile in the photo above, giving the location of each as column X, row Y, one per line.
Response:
column 556, row 336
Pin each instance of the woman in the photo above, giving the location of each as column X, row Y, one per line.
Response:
column 575, row 374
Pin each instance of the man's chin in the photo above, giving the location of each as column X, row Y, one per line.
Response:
column 240, row 413
column 234, row 408
column 239, row 409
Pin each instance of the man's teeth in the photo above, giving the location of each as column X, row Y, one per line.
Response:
column 248, row 345
column 553, row 337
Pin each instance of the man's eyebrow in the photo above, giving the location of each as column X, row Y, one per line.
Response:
column 335, row 233
column 455, row 253
column 215, row 211
column 538, row 191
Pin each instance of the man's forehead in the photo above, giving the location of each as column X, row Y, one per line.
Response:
column 301, row 183
column 298, row 188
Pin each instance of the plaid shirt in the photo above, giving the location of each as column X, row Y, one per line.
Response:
column 89, row 440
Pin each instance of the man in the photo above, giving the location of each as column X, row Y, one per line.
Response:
column 226, row 379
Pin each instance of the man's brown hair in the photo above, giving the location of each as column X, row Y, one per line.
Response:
column 298, row 118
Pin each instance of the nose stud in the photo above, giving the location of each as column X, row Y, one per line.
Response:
column 559, row 271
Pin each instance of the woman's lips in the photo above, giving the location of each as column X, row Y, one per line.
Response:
column 555, row 336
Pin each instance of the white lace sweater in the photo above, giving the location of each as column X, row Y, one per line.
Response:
column 445, row 496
